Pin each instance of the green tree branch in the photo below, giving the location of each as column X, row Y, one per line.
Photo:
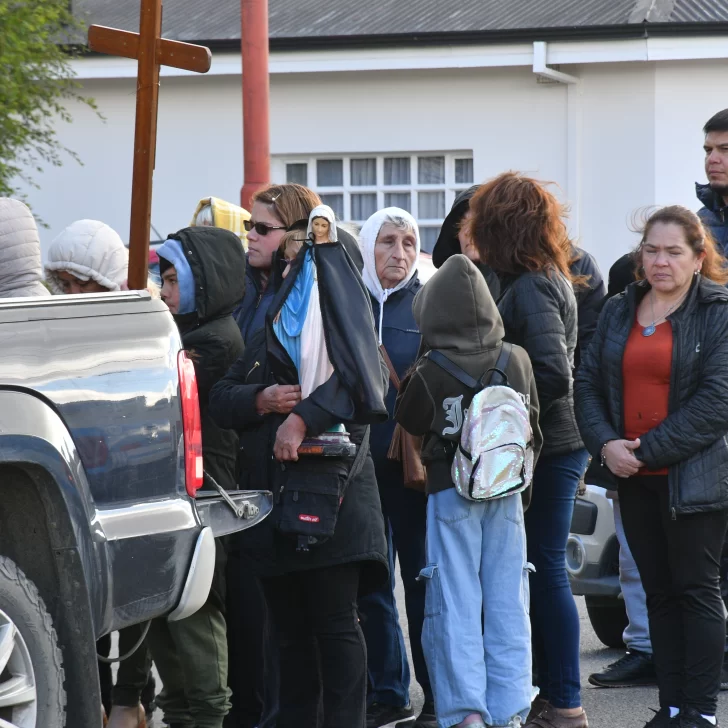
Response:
column 36, row 82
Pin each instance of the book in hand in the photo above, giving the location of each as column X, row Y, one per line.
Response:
column 328, row 444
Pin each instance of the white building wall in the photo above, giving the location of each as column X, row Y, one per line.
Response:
column 639, row 141
column 199, row 153
column 687, row 94
column 617, row 155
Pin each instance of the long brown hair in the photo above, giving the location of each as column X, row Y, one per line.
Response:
column 517, row 225
column 697, row 236
column 289, row 203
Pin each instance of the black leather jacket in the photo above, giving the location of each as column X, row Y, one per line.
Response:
column 692, row 441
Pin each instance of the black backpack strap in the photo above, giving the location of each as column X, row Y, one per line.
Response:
column 498, row 372
column 437, row 357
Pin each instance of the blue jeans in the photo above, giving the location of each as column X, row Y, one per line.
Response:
column 554, row 617
column 637, row 634
column 387, row 666
column 477, row 636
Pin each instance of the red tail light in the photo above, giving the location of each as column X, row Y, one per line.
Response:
column 191, row 424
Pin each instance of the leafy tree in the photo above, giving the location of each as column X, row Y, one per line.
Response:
column 36, row 48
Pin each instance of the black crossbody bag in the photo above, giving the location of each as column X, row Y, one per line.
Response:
column 313, row 490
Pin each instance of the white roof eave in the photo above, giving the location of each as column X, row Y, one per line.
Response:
column 659, row 49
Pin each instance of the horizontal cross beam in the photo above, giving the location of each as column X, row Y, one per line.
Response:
column 173, row 53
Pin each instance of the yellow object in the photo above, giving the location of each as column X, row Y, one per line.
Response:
column 225, row 215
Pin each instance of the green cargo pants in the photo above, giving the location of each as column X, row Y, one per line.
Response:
column 192, row 659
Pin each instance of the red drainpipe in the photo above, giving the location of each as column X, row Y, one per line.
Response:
column 256, row 95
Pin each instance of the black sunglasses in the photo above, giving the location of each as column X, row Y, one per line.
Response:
column 261, row 228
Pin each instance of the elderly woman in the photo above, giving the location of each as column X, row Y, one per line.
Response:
column 390, row 244
column 652, row 404
column 518, row 229
column 324, row 543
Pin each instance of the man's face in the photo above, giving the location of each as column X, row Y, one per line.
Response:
column 170, row 289
column 716, row 161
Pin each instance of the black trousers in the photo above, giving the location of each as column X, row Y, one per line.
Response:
column 322, row 651
column 137, row 670
column 252, row 649
column 679, row 563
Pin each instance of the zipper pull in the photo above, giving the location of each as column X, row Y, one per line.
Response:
column 673, row 513
column 255, row 366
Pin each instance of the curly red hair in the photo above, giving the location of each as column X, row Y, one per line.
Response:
column 518, row 226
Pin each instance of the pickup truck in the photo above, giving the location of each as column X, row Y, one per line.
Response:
column 102, row 523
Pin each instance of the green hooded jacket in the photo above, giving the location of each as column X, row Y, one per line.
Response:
column 457, row 315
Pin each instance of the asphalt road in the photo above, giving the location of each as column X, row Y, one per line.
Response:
column 605, row 708
column 616, row 708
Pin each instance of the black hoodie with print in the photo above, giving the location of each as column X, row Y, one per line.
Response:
column 457, row 315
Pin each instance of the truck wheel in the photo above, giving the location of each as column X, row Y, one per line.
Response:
column 608, row 617
column 31, row 670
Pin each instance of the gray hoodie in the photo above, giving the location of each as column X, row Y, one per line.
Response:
column 21, row 271
column 457, row 315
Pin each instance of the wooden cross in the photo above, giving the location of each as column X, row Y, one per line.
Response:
column 151, row 51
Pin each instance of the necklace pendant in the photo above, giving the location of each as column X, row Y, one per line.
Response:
column 649, row 330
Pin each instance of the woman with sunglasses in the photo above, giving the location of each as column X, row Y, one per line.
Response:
column 253, row 663
column 312, row 592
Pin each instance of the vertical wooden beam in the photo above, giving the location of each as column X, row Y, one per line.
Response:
column 256, row 98
column 145, row 140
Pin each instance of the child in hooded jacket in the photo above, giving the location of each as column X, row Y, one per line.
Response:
column 477, row 635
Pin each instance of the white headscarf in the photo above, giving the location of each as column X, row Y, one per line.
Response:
column 368, row 235
column 88, row 249
column 328, row 214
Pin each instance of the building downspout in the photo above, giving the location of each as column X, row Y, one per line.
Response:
column 574, row 95
column 256, row 98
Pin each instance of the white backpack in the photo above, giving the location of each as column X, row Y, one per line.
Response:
column 494, row 457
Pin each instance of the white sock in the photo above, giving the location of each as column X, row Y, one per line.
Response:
column 710, row 718
column 674, row 712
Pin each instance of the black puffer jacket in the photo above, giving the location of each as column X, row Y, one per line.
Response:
column 692, row 440
column 210, row 334
column 589, row 299
column 539, row 313
column 359, row 534
column 713, row 215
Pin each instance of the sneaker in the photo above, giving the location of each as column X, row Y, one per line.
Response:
column 550, row 718
column 690, row 718
column 634, row 668
column 426, row 719
column 662, row 719
column 381, row 715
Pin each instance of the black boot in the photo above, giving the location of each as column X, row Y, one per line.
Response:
column 690, row 718
column 381, row 714
column 426, row 719
column 635, row 668
column 662, row 719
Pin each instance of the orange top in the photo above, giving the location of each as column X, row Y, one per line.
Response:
column 646, row 368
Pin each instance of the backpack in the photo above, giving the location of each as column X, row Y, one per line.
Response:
column 494, row 457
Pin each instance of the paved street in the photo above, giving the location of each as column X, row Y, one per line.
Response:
column 624, row 708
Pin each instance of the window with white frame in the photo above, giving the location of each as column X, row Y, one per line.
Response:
column 356, row 186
